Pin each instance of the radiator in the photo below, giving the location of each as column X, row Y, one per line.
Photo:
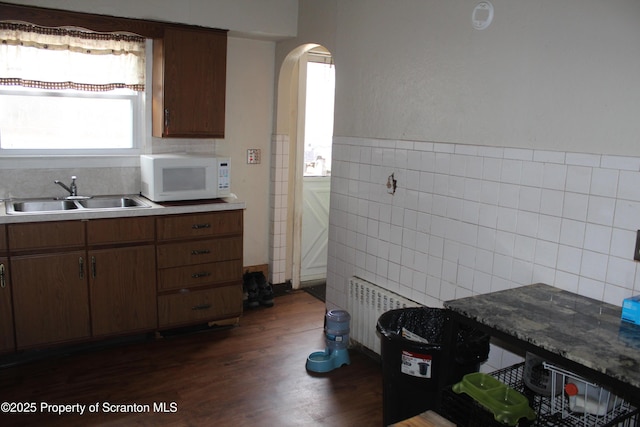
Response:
column 365, row 304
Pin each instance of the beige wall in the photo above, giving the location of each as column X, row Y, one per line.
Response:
column 546, row 74
column 249, row 110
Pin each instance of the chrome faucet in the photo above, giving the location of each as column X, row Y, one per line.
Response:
column 72, row 189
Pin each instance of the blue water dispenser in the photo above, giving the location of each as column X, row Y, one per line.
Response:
column 335, row 354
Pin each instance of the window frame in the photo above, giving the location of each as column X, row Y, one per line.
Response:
column 137, row 132
column 60, row 158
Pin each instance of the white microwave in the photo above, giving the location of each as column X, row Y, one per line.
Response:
column 169, row 177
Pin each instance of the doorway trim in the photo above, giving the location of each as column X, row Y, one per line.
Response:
column 287, row 172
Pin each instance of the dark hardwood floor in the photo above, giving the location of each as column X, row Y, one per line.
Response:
column 249, row 375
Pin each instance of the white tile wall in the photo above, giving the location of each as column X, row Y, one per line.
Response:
column 279, row 194
column 470, row 219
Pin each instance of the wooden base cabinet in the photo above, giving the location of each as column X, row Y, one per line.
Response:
column 76, row 280
column 7, row 341
column 7, row 336
column 122, row 275
column 123, row 289
column 199, row 268
column 51, row 298
column 69, row 281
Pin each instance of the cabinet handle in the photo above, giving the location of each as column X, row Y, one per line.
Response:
column 81, row 267
column 199, row 275
column 3, row 281
column 200, row 252
column 201, row 307
column 93, row 267
column 166, row 120
column 199, row 226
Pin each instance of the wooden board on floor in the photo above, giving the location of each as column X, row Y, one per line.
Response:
column 426, row 419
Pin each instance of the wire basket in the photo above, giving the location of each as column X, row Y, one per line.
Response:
column 466, row 412
column 584, row 402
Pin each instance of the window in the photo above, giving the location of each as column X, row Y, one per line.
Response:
column 318, row 137
column 88, row 99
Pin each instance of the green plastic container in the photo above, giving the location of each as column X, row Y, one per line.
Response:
column 506, row 404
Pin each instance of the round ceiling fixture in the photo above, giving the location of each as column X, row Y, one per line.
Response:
column 482, row 15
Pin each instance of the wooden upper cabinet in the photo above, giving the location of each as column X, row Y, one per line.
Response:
column 189, row 83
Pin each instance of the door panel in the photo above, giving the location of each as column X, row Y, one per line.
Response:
column 315, row 228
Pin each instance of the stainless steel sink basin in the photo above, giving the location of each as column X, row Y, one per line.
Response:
column 39, row 206
column 111, row 202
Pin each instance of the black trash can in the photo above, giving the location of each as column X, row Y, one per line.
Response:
column 412, row 367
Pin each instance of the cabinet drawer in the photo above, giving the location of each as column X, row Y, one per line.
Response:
column 199, row 252
column 199, row 225
column 120, row 230
column 43, row 235
column 200, row 306
column 197, row 275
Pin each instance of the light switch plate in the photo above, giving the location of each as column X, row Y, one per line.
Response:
column 253, row 156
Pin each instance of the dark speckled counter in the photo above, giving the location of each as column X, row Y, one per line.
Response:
column 579, row 333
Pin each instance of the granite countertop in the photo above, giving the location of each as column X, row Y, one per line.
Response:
column 163, row 208
column 577, row 328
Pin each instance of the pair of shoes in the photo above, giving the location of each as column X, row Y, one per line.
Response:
column 250, row 288
column 265, row 297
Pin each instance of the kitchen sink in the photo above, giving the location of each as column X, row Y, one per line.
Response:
column 111, row 202
column 39, row 206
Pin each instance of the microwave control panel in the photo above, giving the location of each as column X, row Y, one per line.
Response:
column 224, row 184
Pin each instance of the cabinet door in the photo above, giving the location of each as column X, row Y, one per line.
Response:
column 123, row 290
column 7, row 342
column 51, row 299
column 191, row 83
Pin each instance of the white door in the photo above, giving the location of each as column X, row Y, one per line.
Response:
column 316, row 181
column 315, row 228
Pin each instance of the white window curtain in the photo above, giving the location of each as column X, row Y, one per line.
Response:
column 62, row 58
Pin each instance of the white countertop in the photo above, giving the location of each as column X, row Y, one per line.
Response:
column 168, row 208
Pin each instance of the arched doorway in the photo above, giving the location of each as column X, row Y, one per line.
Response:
column 288, row 157
column 317, row 125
